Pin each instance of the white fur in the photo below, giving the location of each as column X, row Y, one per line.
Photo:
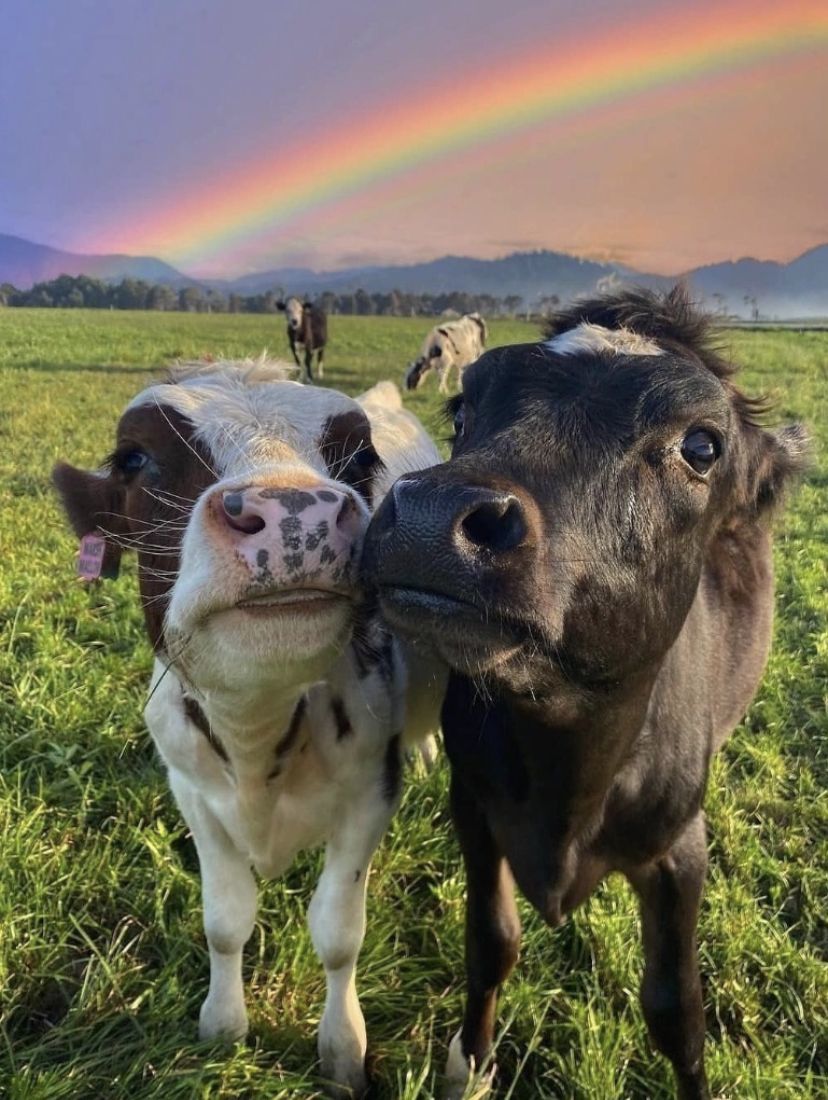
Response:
column 457, row 343
column 591, row 339
column 460, row 1074
column 293, row 313
column 248, row 674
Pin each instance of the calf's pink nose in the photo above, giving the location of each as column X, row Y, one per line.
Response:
column 290, row 536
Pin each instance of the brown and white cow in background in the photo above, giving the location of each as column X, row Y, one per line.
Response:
column 278, row 699
column 307, row 324
column 453, row 345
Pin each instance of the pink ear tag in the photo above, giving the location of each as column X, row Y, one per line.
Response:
column 91, row 557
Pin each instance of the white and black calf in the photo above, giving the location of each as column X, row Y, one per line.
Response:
column 599, row 578
column 307, row 325
column 453, row 345
column 279, row 701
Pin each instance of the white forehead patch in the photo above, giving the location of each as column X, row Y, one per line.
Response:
column 596, row 338
column 248, row 413
column 294, row 311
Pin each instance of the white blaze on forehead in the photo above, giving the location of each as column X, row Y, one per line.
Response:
column 249, row 414
column 596, row 338
column 293, row 312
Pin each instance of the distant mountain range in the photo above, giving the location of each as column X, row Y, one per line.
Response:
column 24, row 263
column 795, row 289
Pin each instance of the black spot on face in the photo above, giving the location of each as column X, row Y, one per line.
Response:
column 293, row 501
column 261, row 559
column 328, row 497
column 313, row 538
column 293, row 562
column 291, row 529
column 347, row 450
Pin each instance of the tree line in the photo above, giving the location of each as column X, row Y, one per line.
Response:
column 85, row 292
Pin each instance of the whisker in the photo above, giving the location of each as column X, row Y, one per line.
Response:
column 186, row 442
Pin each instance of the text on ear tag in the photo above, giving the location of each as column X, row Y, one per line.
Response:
column 91, row 557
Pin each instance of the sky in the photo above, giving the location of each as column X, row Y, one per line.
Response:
column 227, row 136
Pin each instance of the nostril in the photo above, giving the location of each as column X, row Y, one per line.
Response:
column 248, row 523
column 346, row 510
column 497, row 525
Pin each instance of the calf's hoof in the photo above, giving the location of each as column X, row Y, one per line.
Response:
column 692, row 1085
column 344, row 1082
column 222, row 1021
column 460, row 1078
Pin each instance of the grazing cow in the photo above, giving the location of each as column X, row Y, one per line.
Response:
column 278, row 698
column 307, row 325
column 455, row 344
column 598, row 576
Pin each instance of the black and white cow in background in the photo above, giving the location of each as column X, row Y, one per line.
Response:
column 307, row 324
column 453, row 345
column 280, row 704
column 598, row 576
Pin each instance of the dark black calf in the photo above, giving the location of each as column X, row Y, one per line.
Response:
column 594, row 563
column 307, row 325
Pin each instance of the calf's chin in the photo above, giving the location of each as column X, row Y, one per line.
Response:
column 234, row 650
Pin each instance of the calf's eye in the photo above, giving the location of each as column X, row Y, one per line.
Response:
column 133, row 461
column 365, row 457
column 700, row 449
column 459, row 420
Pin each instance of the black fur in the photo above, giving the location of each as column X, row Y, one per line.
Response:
column 605, row 608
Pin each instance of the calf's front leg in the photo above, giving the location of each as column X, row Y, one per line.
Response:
column 669, row 892
column 492, row 938
column 228, row 891
column 337, row 924
column 293, row 351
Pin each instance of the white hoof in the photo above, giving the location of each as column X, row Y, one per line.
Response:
column 460, row 1079
column 342, row 1058
column 344, row 1079
column 222, row 1021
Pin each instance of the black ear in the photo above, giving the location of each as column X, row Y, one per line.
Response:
column 775, row 461
column 94, row 504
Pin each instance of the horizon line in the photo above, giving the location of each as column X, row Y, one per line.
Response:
column 368, row 265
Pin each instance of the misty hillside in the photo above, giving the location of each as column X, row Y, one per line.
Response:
column 23, row 263
column 740, row 287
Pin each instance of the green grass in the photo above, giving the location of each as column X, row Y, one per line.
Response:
column 102, row 958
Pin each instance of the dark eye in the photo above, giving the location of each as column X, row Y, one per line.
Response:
column 365, row 456
column 459, row 419
column 700, row 449
column 132, row 461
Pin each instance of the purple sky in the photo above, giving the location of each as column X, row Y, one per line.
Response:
column 105, row 105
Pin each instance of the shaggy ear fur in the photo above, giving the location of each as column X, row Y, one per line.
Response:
column 774, row 466
column 94, row 504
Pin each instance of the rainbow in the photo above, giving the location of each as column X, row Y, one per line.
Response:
column 343, row 165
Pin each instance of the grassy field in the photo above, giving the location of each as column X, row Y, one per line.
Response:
column 102, row 959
